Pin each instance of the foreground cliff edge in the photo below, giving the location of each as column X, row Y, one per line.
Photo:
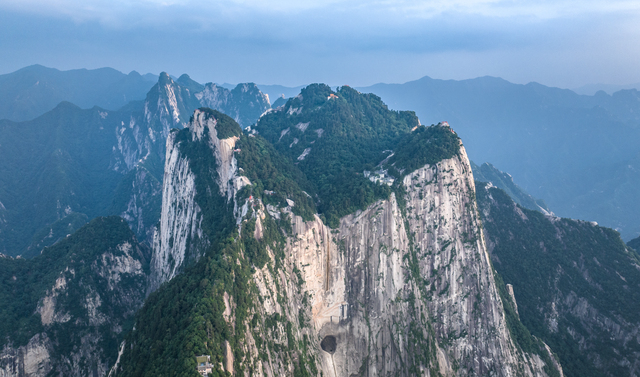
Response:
column 248, row 271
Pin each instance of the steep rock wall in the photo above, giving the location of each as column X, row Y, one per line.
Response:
column 144, row 199
column 179, row 220
column 409, row 292
column 180, row 238
column 30, row 360
column 404, row 287
column 245, row 103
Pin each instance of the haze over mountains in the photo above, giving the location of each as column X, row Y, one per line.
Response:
column 34, row 90
column 324, row 234
column 70, row 165
column 578, row 153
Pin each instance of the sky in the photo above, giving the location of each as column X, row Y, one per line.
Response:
column 563, row 43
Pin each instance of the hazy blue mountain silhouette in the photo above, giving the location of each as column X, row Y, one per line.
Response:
column 579, row 153
column 32, row 91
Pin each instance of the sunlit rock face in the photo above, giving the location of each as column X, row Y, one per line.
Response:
column 142, row 139
column 180, row 238
column 404, row 287
column 409, row 290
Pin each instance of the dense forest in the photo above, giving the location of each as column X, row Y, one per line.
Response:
column 69, row 276
column 574, row 282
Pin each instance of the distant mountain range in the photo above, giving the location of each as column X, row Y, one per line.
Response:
column 70, row 165
column 34, row 90
column 591, row 89
column 578, row 153
column 323, row 235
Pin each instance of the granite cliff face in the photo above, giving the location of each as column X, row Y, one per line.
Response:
column 409, row 291
column 141, row 143
column 180, row 239
column 71, row 164
column 404, row 287
column 245, row 103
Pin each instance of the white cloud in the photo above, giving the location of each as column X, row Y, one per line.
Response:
column 371, row 40
column 109, row 10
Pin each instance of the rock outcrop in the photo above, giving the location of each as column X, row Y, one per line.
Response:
column 141, row 142
column 409, row 291
column 180, row 239
column 404, row 287
column 245, row 103
column 94, row 282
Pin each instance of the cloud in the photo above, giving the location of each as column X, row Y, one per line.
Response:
column 110, row 12
column 339, row 41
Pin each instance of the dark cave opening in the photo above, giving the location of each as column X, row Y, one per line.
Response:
column 329, row 344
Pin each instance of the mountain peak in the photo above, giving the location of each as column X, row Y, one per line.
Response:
column 190, row 84
column 164, row 78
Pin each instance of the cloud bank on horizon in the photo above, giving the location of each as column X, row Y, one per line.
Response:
column 564, row 43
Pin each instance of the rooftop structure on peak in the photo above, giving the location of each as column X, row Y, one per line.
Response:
column 204, row 365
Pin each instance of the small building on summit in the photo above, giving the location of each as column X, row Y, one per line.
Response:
column 204, row 365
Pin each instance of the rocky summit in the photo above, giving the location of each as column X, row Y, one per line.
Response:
column 246, row 269
column 327, row 236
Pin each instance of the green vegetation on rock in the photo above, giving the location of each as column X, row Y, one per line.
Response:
column 86, row 300
column 576, row 284
column 334, row 137
column 185, row 316
column 274, row 178
column 423, row 146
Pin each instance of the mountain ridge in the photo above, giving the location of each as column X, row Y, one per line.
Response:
column 293, row 294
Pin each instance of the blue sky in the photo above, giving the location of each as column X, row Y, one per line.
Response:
column 563, row 43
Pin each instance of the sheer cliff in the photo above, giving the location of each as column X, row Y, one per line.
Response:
column 141, row 141
column 70, row 164
column 254, row 265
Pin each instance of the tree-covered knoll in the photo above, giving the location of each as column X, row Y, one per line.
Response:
column 634, row 244
column 344, row 133
column 423, row 146
column 77, row 260
column 577, row 285
column 226, row 127
column 274, row 178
